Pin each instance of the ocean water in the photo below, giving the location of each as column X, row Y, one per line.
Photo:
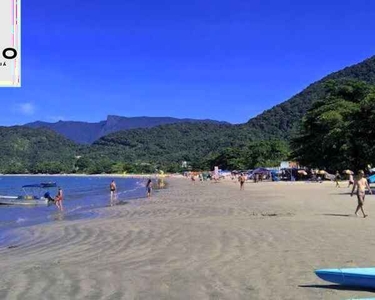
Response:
column 83, row 196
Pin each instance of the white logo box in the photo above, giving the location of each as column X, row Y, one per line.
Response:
column 10, row 43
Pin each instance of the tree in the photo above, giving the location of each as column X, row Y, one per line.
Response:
column 254, row 154
column 336, row 133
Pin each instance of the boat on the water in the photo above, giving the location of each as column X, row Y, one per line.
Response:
column 33, row 194
column 354, row 277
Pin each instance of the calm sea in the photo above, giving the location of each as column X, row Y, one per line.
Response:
column 82, row 198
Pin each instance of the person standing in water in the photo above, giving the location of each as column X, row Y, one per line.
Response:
column 113, row 189
column 149, row 188
column 361, row 184
column 59, row 198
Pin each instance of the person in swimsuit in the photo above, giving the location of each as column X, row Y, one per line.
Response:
column 59, row 198
column 112, row 188
column 242, row 180
column 149, row 188
column 361, row 184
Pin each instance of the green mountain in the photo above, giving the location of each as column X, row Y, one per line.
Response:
column 192, row 142
column 174, row 142
column 40, row 150
column 281, row 120
column 87, row 133
column 27, row 150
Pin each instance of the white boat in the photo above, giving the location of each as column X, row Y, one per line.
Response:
column 33, row 194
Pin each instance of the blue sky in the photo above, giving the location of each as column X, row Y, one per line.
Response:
column 225, row 60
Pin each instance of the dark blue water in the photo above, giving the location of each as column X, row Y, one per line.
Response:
column 82, row 197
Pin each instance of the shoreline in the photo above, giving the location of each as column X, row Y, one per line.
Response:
column 95, row 175
column 81, row 214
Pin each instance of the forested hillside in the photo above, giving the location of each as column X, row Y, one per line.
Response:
column 27, row 150
column 87, row 133
column 281, row 121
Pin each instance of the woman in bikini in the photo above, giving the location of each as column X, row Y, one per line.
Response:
column 59, row 198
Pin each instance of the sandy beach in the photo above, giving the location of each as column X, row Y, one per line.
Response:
column 202, row 241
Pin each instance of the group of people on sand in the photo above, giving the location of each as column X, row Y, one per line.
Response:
column 359, row 188
column 338, row 179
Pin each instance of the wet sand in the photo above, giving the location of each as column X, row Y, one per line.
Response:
column 202, row 241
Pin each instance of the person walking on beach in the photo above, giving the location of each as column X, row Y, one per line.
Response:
column 337, row 179
column 351, row 180
column 242, row 180
column 59, row 198
column 361, row 184
column 149, row 188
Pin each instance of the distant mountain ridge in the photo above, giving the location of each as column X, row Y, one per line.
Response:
column 164, row 145
column 87, row 133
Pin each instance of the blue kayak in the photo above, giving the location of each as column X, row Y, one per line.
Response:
column 356, row 277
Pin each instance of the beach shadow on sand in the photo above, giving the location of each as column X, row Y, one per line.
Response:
column 338, row 215
column 342, row 194
column 337, row 287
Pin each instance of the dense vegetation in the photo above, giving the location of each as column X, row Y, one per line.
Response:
column 164, row 146
column 254, row 154
column 25, row 150
column 283, row 120
column 338, row 132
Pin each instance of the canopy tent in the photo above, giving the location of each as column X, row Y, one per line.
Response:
column 260, row 171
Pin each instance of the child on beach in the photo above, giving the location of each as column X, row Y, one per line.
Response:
column 361, row 184
column 59, row 199
column 149, row 188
